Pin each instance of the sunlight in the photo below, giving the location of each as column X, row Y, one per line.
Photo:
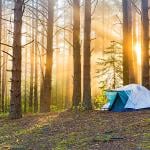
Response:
column 138, row 52
column 23, row 40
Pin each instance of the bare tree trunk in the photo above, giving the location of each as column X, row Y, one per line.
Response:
column 134, row 18
column 145, row 45
column 36, row 64
column 69, row 65
column 0, row 55
column 4, row 82
column 76, row 54
column 125, row 45
column 31, row 78
column 57, row 56
column 6, row 92
column 25, row 86
column 42, row 69
column 57, row 69
column 128, row 73
column 46, row 101
column 15, row 102
column 68, row 77
column 130, row 48
column 87, row 100
column 32, row 68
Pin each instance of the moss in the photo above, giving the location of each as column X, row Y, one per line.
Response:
column 146, row 141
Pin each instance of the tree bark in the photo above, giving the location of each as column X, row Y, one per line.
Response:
column 36, row 63
column 31, row 68
column 87, row 100
column 76, row 54
column 42, row 69
column 25, row 83
column 15, row 102
column 134, row 18
column 68, row 77
column 128, row 73
column 4, row 81
column 47, row 87
column 145, row 45
column 0, row 56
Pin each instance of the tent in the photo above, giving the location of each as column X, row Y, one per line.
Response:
column 131, row 97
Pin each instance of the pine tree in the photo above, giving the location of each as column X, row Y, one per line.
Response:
column 87, row 99
column 36, row 63
column 47, row 85
column 128, row 74
column 145, row 44
column 76, row 55
column 15, row 102
column 110, row 69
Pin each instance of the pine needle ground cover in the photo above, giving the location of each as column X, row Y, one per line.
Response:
column 77, row 131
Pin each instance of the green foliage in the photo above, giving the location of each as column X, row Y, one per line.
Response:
column 55, row 108
column 110, row 69
column 3, row 115
column 146, row 138
column 100, row 99
column 78, row 108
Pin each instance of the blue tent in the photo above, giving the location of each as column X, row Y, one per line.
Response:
column 117, row 100
column 127, row 98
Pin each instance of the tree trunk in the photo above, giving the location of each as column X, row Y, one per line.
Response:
column 25, row 82
column 42, row 57
column 15, row 102
column 32, row 68
column 69, row 65
column 6, row 92
column 47, row 87
column 87, row 100
column 130, row 43
column 4, row 81
column 76, row 54
column 145, row 45
column 134, row 28
column 36, row 64
column 0, row 55
column 68, row 77
column 128, row 73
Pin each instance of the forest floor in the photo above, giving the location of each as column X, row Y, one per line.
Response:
column 82, row 131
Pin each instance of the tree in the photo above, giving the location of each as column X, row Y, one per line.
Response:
column 15, row 102
column 36, row 63
column 87, row 100
column 76, row 99
column 57, row 55
column 110, row 69
column 42, row 61
column 128, row 73
column 47, row 85
column 4, row 82
column 0, row 53
column 145, row 45
column 135, row 39
column 25, row 82
column 32, row 66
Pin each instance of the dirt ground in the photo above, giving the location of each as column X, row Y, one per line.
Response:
column 77, row 131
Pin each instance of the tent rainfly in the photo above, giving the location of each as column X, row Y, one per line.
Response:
column 128, row 98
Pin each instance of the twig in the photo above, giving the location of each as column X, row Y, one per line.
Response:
column 8, row 54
